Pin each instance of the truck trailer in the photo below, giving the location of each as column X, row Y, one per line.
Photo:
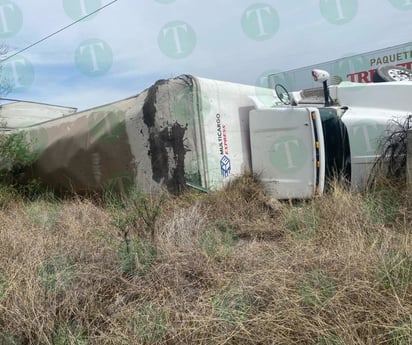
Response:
column 354, row 67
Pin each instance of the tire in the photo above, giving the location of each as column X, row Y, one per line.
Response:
column 391, row 73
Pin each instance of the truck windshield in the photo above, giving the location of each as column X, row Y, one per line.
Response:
column 337, row 151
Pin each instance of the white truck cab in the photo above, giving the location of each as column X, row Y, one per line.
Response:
column 298, row 147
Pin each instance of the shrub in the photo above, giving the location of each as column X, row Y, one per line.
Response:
column 15, row 152
column 135, row 210
column 393, row 149
column 16, row 156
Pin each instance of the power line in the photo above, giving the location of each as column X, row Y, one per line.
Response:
column 58, row 31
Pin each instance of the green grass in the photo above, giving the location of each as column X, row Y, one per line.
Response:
column 149, row 323
column 330, row 340
column 136, row 256
column 4, row 285
column 57, row 273
column 69, row 333
column 395, row 271
column 301, row 221
column 402, row 333
column 219, row 240
column 316, row 287
column 232, row 304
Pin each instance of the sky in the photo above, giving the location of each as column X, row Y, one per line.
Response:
column 127, row 45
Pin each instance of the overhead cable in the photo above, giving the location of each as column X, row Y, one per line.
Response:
column 58, row 31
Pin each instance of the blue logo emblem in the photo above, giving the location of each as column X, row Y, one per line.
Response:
column 225, row 166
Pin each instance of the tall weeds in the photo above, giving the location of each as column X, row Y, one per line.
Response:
column 230, row 267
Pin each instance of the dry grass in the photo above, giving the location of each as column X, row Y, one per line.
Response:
column 230, row 267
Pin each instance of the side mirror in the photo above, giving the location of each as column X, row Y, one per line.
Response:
column 320, row 75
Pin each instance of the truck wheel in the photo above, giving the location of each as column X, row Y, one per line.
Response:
column 391, row 73
column 282, row 94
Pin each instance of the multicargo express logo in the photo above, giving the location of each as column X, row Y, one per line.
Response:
column 221, row 131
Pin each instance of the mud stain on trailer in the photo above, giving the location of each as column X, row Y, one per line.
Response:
column 166, row 145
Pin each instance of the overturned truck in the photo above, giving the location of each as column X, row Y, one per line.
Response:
column 180, row 132
column 201, row 133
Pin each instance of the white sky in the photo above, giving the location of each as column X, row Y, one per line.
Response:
column 130, row 44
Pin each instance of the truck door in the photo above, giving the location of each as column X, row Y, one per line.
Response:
column 287, row 150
